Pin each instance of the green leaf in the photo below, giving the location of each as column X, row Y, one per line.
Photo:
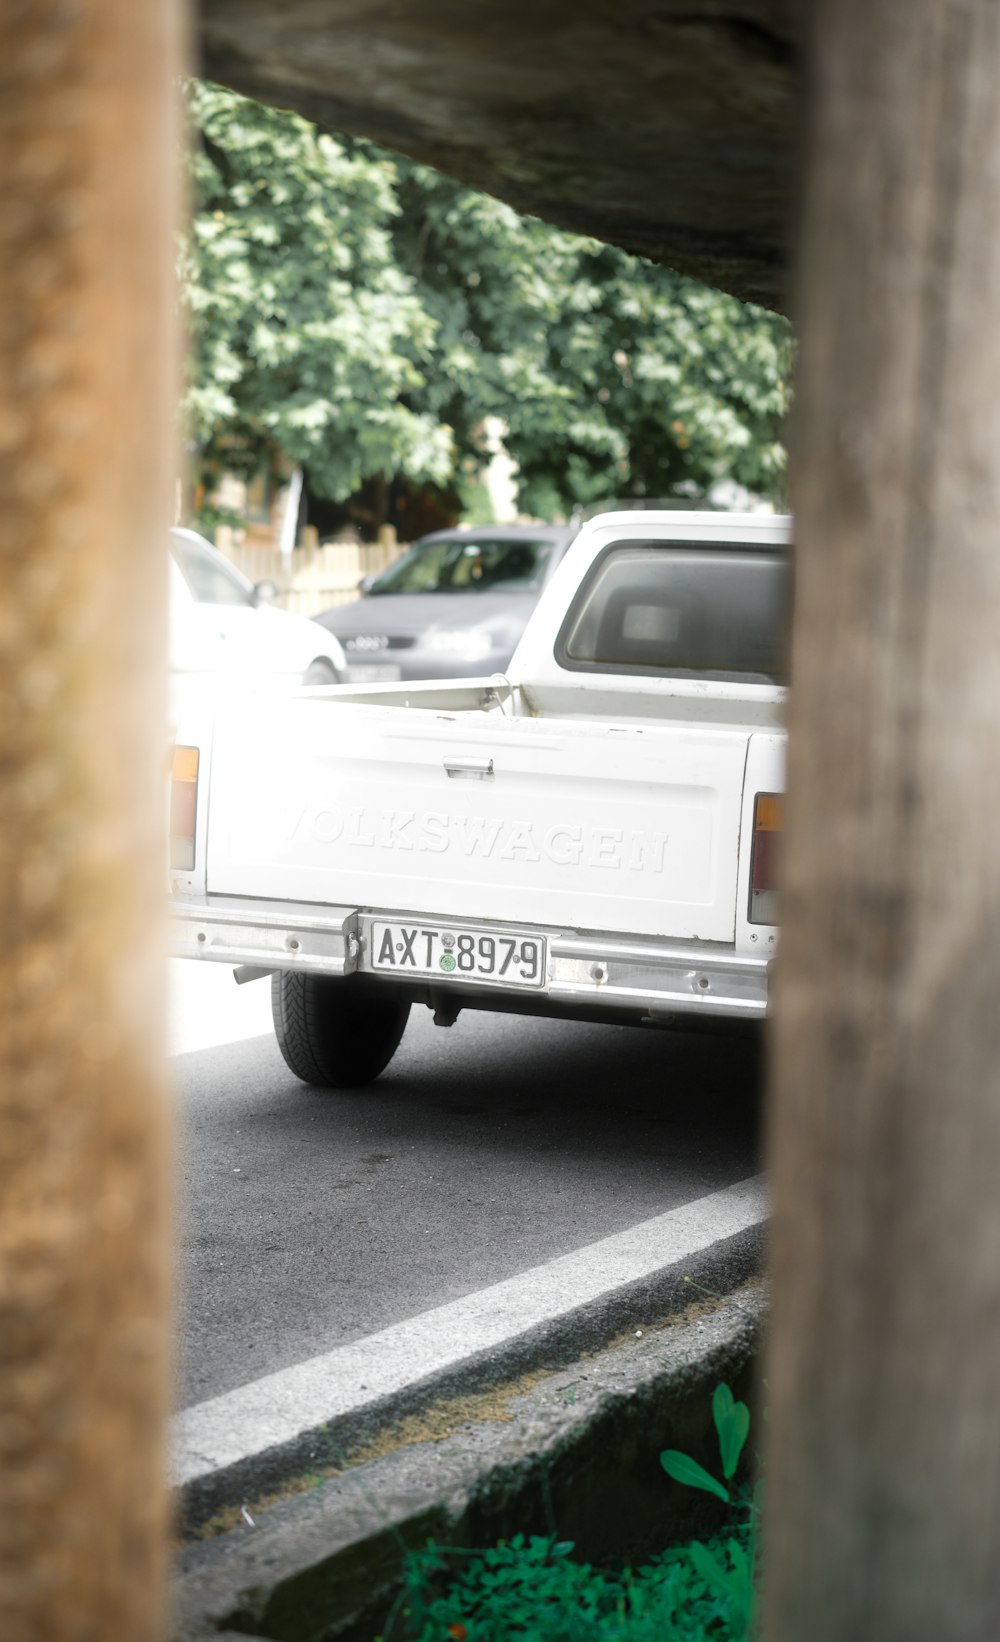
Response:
column 684, row 1469
column 713, row 1571
column 732, row 1422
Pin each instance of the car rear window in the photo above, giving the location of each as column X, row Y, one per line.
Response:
column 466, row 566
column 682, row 611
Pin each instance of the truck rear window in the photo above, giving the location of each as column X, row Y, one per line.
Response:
column 683, row 611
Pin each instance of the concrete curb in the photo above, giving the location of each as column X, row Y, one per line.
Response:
column 547, row 1346
column 575, row 1453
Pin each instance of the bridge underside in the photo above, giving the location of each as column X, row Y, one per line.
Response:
column 667, row 128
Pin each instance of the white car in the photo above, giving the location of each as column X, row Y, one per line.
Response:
column 227, row 639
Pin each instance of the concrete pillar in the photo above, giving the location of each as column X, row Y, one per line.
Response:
column 88, row 156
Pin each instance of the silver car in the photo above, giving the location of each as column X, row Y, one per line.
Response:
column 455, row 604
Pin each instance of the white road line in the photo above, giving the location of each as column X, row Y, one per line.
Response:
column 280, row 1407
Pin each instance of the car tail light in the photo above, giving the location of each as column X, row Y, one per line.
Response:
column 183, row 807
column 768, row 822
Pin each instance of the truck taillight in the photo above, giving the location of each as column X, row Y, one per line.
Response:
column 183, row 807
column 768, row 822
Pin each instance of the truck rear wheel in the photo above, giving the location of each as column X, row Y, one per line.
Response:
column 333, row 1033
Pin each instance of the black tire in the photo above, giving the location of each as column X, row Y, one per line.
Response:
column 320, row 673
column 333, row 1033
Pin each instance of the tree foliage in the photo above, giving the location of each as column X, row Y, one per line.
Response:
column 615, row 377
column 363, row 315
column 308, row 339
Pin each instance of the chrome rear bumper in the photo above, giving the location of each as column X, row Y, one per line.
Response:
column 652, row 977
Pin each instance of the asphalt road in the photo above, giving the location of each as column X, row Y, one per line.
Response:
column 307, row 1220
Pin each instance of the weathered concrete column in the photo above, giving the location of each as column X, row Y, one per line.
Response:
column 884, row 1477
column 88, row 156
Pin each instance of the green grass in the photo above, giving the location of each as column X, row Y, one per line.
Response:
column 531, row 1589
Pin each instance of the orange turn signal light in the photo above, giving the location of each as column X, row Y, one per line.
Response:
column 185, row 767
column 769, row 812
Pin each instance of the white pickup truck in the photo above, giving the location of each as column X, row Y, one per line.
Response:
column 591, row 836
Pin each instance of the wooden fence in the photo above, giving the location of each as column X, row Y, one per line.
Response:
column 315, row 577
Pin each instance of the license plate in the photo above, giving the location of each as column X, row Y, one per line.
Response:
column 458, row 954
column 372, row 673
